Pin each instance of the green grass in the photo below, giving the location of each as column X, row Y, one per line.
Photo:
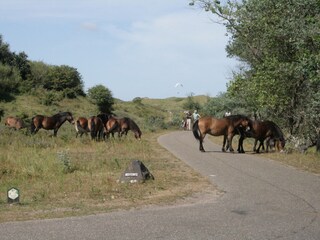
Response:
column 69, row 176
column 66, row 176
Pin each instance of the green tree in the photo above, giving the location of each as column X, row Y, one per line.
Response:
column 102, row 97
column 191, row 104
column 6, row 56
column 9, row 82
column 22, row 63
column 218, row 106
column 278, row 44
column 65, row 79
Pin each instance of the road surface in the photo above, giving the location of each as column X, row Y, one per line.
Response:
column 261, row 199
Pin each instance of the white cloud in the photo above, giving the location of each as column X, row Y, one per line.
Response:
column 182, row 47
column 135, row 48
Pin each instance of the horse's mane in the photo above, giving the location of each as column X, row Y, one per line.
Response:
column 277, row 131
column 236, row 117
column 60, row 114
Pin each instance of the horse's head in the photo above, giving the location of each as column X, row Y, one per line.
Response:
column 70, row 117
column 241, row 121
column 137, row 135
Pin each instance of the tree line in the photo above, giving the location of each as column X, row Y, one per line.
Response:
column 19, row 75
column 277, row 43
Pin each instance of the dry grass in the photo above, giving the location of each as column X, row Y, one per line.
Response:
column 65, row 176
column 309, row 161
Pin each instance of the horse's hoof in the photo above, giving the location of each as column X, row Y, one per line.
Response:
column 223, row 150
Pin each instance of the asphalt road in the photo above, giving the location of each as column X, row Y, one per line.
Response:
column 261, row 199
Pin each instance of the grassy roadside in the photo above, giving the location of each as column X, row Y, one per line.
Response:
column 68, row 176
column 309, row 161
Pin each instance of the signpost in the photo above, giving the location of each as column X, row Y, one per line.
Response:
column 136, row 172
column 13, row 195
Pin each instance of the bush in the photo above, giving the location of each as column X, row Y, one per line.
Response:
column 102, row 97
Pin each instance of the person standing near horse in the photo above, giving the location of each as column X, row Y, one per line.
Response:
column 188, row 117
column 195, row 115
column 227, row 113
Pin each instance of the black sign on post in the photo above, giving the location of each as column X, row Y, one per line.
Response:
column 136, row 172
column 13, row 195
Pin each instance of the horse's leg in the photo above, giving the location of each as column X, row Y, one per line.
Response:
column 35, row 130
column 260, row 144
column 224, row 143
column 201, row 148
column 55, row 131
column 268, row 144
column 230, row 143
column 255, row 145
column 240, row 144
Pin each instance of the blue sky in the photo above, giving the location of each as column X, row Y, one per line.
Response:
column 136, row 48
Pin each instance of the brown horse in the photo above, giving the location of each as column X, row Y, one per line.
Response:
column 112, row 126
column 122, row 126
column 50, row 123
column 95, row 126
column 261, row 131
column 226, row 126
column 13, row 122
column 81, row 126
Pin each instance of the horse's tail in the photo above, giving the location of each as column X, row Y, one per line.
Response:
column 79, row 128
column 32, row 126
column 93, row 129
column 195, row 130
column 114, row 127
column 134, row 127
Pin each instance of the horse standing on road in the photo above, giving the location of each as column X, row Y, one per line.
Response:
column 226, row 126
column 263, row 131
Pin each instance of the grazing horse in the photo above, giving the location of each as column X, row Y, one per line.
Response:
column 81, row 126
column 261, row 131
column 50, row 123
column 95, row 126
column 226, row 126
column 112, row 126
column 13, row 122
column 122, row 126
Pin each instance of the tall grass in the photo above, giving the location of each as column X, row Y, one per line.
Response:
column 64, row 175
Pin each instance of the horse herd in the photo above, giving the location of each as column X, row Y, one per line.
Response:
column 99, row 127
column 242, row 125
column 102, row 125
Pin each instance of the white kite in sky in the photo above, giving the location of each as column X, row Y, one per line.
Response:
column 178, row 85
